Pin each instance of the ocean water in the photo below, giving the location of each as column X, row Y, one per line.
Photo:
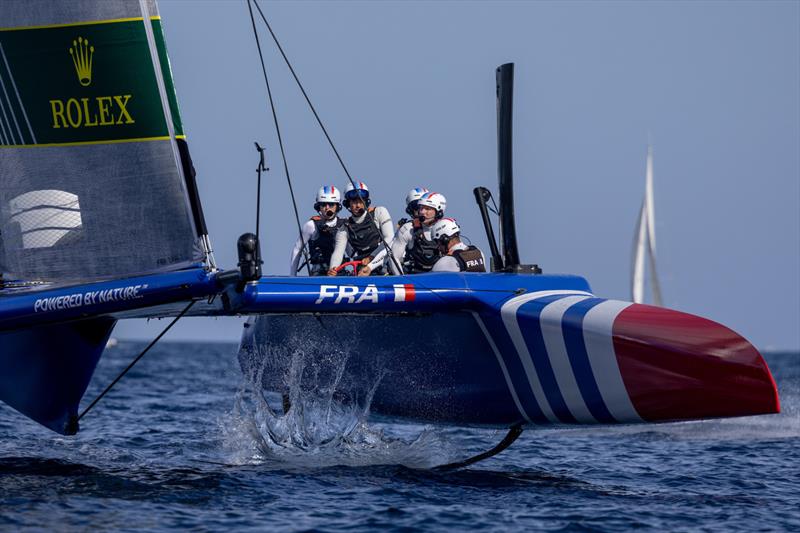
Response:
column 182, row 442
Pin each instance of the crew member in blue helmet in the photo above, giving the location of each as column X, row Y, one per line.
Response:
column 413, row 246
column 457, row 256
column 319, row 232
column 365, row 232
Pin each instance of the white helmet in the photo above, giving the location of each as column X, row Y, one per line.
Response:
column 445, row 229
column 412, row 197
column 434, row 200
column 359, row 191
column 329, row 195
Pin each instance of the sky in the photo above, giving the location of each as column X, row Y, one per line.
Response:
column 406, row 90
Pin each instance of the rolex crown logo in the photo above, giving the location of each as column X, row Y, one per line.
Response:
column 82, row 54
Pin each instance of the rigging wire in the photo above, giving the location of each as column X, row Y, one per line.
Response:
column 495, row 209
column 330, row 142
column 280, row 138
column 136, row 360
column 322, row 126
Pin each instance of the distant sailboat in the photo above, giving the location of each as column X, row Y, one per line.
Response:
column 645, row 239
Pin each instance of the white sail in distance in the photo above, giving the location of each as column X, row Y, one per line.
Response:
column 645, row 243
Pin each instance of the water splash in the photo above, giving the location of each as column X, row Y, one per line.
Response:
column 320, row 418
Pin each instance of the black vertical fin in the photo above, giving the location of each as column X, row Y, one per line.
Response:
column 505, row 177
column 505, row 104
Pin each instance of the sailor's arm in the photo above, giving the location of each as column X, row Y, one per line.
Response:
column 338, row 249
column 384, row 221
column 378, row 259
column 399, row 246
column 309, row 229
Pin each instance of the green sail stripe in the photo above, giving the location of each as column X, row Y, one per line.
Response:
column 166, row 72
column 88, row 82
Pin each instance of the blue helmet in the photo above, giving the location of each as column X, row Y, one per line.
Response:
column 360, row 191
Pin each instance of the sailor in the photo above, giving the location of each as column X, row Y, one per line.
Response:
column 413, row 246
column 319, row 232
column 412, row 198
column 457, row 256
column 365, row 232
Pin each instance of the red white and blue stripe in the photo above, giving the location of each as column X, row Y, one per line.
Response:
column 570, row 358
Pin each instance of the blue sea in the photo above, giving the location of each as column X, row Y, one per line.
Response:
column 182, row 442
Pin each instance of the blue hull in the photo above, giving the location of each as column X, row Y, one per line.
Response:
column 497, row 349
column 46, row 369
column 430, row 367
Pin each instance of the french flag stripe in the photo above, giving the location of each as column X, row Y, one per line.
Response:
column 513, row 362
column 598, row 326
column 508, row 313
column 411, row 294
column 503, row 367
column 529, row 317
column 572, row 325
column 404, row 293
column 553, row 334
column 512, row 324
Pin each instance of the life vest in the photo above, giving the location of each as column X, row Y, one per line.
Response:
column 423, row 254
column 470, row 260
column 321, row 248
column 364, row 237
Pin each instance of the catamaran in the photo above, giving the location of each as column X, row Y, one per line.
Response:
column 101, row 220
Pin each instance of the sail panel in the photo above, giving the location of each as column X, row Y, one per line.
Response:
column 124, row 217
column 645, row 241
column 92, row 180
column 639, row 244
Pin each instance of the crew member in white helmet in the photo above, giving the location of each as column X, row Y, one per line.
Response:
column 413, row 246
column 457, row 256
column 365, row 232
column 319, row 232
column 412, row 198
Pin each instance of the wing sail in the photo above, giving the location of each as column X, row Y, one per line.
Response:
column 94, row 184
